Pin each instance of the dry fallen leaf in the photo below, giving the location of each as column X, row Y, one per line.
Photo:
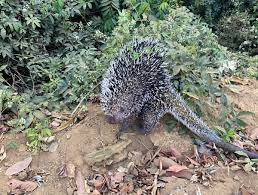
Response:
column 246, row 192
column 95, row 192
column 80, row 183
column 166, row 162
column 18, row 167
column 19, row 187
column 176, row 168
column 2, row 153
column 179, row 171
column 254, row 134
column 181, row 174
column 97, row 180
column 193, row 161
column 127, row 188
column 54, row 124
column 70, row 170
column 62, row 171
column 175, row 153
column 117, row 178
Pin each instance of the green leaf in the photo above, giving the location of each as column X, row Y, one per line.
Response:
column 58, row 5
column 39, row 115
column 224, row 100
column 255, row 161
column 241, row 123
column 241, row 153
column 2, row 67
column 244, row 113
column 248, row 167
column 3, row 33
column 29, row 120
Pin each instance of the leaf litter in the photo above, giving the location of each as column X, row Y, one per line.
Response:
column 18, row 167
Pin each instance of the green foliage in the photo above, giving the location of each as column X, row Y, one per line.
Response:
column 210, row 10
column 35, row 135
column 238, row 33
column 12, row 145
column 45, row 51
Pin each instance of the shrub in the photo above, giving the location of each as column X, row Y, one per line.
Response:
column 237, row 33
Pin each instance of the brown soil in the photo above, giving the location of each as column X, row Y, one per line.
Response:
column 94, row 132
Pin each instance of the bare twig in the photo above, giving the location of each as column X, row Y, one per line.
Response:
column 84, row 97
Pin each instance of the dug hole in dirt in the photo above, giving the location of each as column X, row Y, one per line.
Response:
column 77, row 150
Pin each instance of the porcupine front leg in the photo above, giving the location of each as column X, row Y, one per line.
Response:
column 151, row 114
column 125, row 125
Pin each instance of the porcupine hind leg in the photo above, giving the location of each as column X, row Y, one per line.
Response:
column 150, row 116
column 125, row 126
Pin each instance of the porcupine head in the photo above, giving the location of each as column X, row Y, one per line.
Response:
column 117, row 100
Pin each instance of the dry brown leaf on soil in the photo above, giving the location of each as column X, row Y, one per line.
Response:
column 80, row 184
column 246, row 192
column 165, row 161
column 70, row 170
column 95, row 192
column 176, row 168
column 54, row 124
column 98, row 181
column 181, row 174
column 18, row 167
column 2, row 153
column 62, row 171
column 127, row 188
column 171, row 151
column 193, row 161
column 106, row 152
column 175, row 153
column 254, row 134
column 18, row 187
column 116, row 179
column 179, row 171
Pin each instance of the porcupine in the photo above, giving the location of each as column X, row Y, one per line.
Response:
column 137, row 85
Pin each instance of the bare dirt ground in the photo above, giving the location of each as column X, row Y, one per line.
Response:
column 94, row 132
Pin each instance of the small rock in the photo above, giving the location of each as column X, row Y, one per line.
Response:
column 50, row 139
column 53, row 146
column 206, row 183
column 235, row 168
column 6, row 164
column 44, row 147
column 191, row 166
column 58, row 120
column 22, row 148
column 236, row 178
column 95, row 192
column 55, row 124
column 22, row 175
column 69, row 191
column 68, row 135
column 70, row 170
